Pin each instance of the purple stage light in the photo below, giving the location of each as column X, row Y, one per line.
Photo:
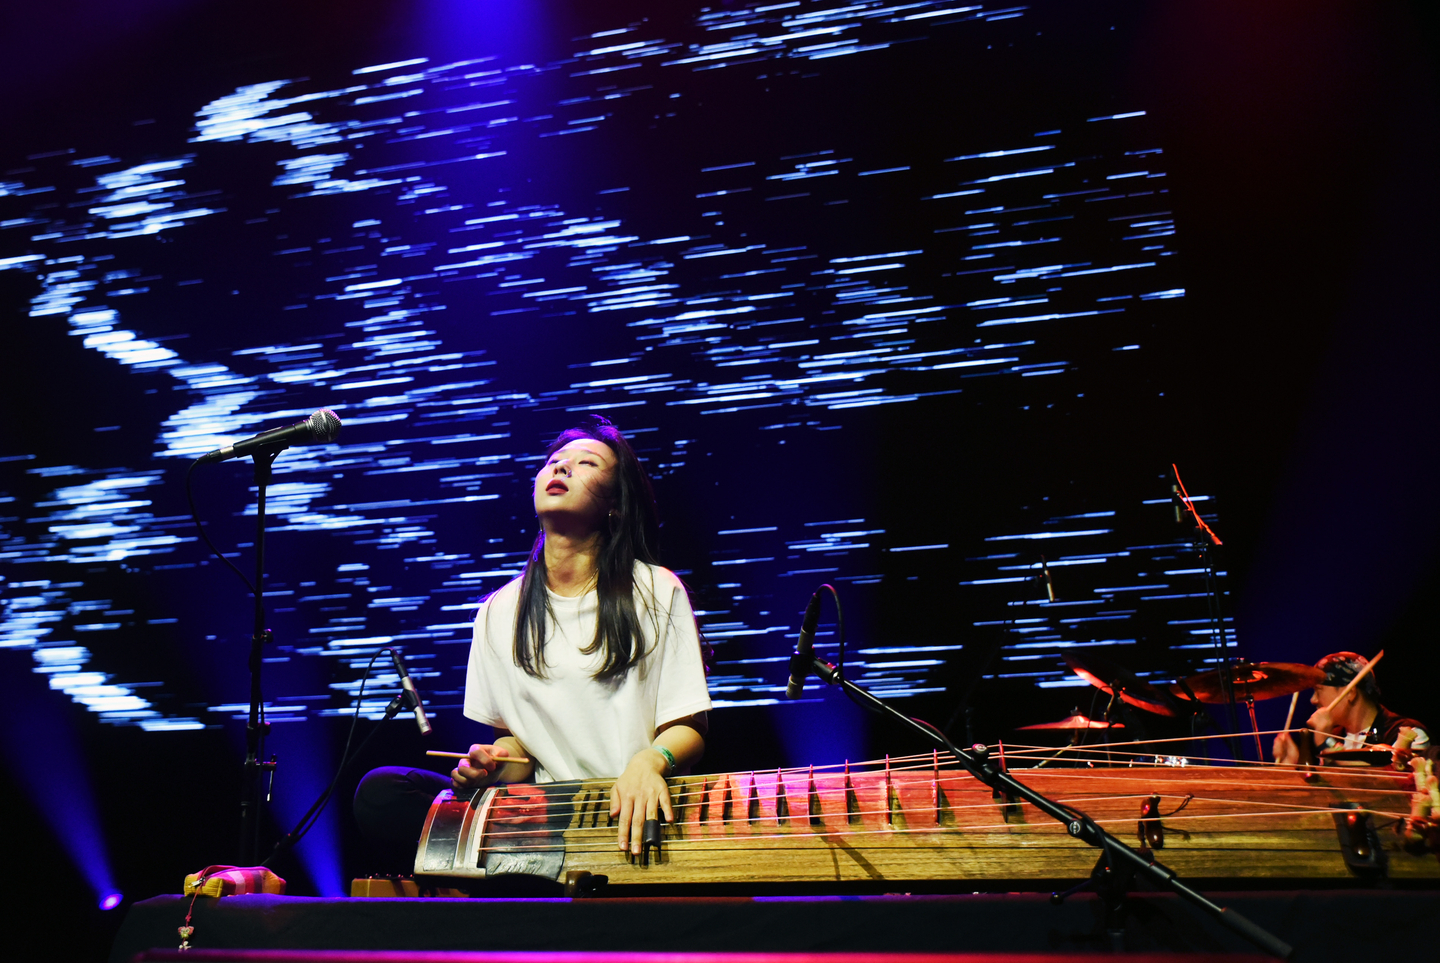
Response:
column 36, row 739
column 306, row 767
column 112, row 900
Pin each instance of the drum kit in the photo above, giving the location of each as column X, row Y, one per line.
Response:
column 1246, row 682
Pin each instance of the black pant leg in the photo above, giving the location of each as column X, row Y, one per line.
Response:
column 391, row 802
column 390, row 807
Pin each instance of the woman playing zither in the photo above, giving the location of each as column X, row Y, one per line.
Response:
column 588, row 665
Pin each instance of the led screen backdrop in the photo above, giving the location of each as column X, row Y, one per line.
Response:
column 855, row 310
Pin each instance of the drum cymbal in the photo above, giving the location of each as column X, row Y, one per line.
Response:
column 1076, row 721
column 1254, row 680
column 1108, row 677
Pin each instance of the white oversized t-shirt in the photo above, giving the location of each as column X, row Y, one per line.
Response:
column 574, row 726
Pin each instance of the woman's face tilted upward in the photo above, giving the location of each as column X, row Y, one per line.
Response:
column 573, row 488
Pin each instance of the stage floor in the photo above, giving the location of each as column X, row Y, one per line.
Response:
column 1321, row 925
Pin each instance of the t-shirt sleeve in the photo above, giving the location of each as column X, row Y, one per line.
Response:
column 682, row 690
column 480, row 699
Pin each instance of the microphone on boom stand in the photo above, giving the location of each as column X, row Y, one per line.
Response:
column 801, row 661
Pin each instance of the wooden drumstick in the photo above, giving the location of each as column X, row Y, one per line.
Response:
column 466, row 755
column 1355, row 681
column 1290, row 716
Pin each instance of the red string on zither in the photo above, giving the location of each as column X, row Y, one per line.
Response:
column 1190, row 507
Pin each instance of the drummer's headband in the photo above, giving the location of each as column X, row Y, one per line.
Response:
column 1341, row 667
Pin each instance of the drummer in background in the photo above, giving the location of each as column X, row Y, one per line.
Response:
column 1358, row 721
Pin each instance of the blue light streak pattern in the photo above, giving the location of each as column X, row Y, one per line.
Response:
column 404, row 252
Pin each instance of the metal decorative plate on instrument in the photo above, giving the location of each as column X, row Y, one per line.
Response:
column 1356, row 757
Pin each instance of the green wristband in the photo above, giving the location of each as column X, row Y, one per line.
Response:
column 669, row 756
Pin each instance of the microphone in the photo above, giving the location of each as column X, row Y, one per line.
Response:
column 408, row 694
column 323, row 426
column 801, row 662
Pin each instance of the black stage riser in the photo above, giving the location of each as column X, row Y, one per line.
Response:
column 1321, row 925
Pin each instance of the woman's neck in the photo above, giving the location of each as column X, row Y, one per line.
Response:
column 570, row 563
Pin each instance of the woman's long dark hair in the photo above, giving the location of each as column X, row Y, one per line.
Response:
column 629, row 535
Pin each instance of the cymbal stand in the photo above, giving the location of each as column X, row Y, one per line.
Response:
column 1254, row 724
column 1112, row 709
column 1199, row 718
column 1120, row 710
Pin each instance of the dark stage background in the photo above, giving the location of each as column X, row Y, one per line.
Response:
column 902, row 297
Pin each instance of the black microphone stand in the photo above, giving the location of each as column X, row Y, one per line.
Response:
column 1205, row 541
column 1205, row 548
column 256, row 726
column 1118, row 863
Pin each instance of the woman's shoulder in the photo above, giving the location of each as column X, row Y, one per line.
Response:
column 657, row 577
column 503, row 597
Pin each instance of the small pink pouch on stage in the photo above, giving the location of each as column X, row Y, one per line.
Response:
column 233, row 881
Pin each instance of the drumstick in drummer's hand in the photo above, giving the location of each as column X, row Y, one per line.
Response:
column 1290, row 716
column 466, row 755
column 1355, row 681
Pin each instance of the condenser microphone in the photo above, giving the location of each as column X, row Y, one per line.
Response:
column 408, row 694
column 321, row 427
column 801, row 661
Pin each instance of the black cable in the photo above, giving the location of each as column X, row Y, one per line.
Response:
column 1183, row 803
column 292, row 838
column 195, row 517
column 840, row 638
column 839, row 624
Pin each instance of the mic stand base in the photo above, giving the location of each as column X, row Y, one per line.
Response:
column 1112, row 886
column 1121, row 863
